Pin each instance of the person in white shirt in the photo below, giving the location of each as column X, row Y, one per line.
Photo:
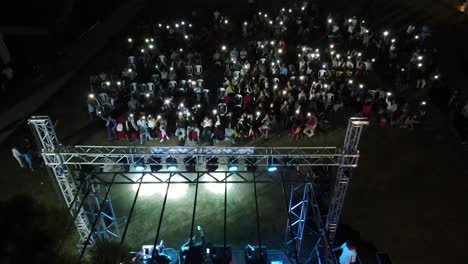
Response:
column 18, row 156
column 207, row 124
column 348, row 254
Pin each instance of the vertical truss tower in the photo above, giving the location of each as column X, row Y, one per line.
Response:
column 346, row 164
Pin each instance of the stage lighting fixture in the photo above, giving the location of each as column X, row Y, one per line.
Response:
column 171, row 164
column 250, row 164
column 233, row 165
column 212, row 164
column 156, row 167
column 140, row 166
column 272, row 166
column 190, row 164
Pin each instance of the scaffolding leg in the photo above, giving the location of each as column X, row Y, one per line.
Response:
column 344, row 173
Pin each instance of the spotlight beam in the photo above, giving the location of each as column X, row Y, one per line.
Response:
column 156, row 239
column 225, row 216
column 257, row 215
column 131, row 213
column 193, row 220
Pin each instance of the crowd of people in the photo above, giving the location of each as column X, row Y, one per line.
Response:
column 288, row 72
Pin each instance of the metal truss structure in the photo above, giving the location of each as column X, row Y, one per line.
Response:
column 344, row 173
column 298, row 212
column 45, row 134
column 84, row 208
column 87, row 194
column 197, row 156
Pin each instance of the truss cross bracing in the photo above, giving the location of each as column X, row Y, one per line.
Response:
column 95, row 219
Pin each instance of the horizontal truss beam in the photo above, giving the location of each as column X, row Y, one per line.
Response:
column 254, row 157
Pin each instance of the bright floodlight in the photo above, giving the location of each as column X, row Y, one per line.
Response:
column 171, row 164
column 272, row 168
column 423, row 103
column 330, row 21
column 140, row 167
column 130, row 40
column 436, row 76
column 245, row 23
column 280, row 51
column 215, row 111
column 142, row 50
column 233, row 166
column 385, row 33
column 389, row 94
column 151, row 46
column 223, row 48
column 91, row 95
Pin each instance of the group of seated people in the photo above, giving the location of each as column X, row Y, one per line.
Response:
column 269, row 85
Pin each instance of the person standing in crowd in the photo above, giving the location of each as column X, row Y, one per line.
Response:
column 91, row 110
column 111, row 126
column 206, row 124
column 143, row 128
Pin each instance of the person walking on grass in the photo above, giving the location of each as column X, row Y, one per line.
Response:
column 18, row 156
